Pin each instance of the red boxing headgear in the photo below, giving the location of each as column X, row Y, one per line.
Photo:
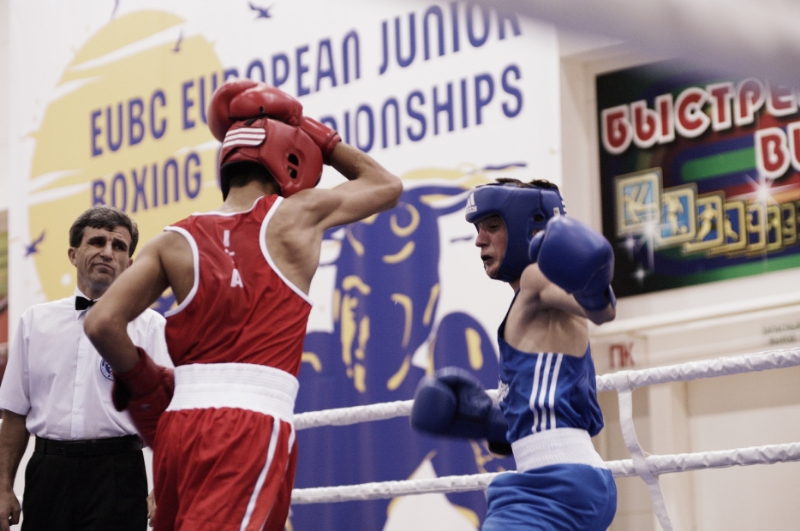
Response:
column 259, row 123
column 289, row 154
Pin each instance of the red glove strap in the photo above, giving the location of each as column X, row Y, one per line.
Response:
column 142, row 378
column 322, row 135
column 145, row 391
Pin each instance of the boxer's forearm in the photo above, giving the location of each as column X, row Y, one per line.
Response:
column 109, row 335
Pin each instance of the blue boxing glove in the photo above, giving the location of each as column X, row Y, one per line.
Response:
column 454, row 404
column 578, row 259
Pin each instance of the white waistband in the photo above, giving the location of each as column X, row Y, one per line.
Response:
column 257, row 388
column 553, row 447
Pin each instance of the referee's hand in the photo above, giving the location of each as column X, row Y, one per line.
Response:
column 151, row 509
column 9, row 509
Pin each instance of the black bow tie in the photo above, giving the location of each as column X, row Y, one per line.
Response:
column 81, row 303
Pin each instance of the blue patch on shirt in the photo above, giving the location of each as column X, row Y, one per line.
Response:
column 105, row 368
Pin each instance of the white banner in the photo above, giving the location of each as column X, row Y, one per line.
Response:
column 109, row 106
column 108, row 102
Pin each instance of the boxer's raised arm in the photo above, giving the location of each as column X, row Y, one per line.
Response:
column 580, row 261
column 369, row 189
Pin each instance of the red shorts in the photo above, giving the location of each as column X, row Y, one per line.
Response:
column 223, row 468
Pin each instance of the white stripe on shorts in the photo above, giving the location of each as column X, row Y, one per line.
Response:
column 251, row 504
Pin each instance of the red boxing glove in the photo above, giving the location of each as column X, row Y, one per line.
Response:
column 218, row 117
column 322, row 135
column 145, row 391
column 242, row 99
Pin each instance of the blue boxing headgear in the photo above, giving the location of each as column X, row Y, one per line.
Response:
column 524, row 210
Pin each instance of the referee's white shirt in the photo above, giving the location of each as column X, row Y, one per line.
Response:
column 59, row 381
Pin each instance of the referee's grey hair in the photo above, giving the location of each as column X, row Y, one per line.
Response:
column 103, row 217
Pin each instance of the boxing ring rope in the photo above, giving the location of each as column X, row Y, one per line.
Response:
column 777, row 359
column 758, row 455
column 646, row 466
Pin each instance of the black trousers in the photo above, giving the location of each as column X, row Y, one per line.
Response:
column 69, row 490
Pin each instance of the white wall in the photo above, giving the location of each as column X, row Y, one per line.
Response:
column 4, row 103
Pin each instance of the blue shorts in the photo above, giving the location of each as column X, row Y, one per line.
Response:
column 564, row 497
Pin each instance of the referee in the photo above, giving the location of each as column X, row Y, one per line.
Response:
column 87, row 472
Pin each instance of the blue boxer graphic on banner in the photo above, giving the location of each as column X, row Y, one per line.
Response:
column 384, row 304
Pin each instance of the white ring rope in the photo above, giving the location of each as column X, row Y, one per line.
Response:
column 648, row 467
column 391, row 489
column 352, row 415
column 694, row 370
column 754, row 455
column 760, row 455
